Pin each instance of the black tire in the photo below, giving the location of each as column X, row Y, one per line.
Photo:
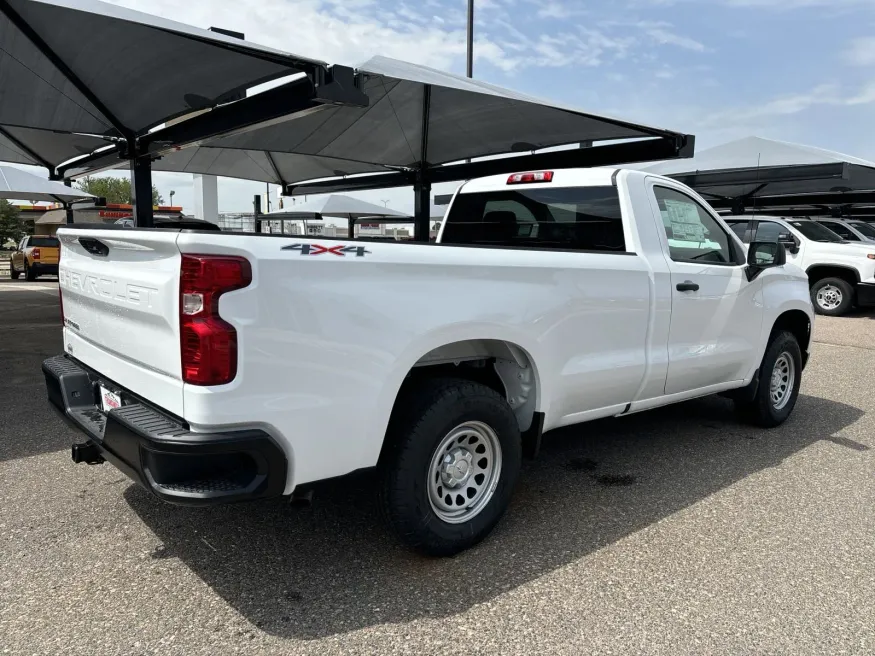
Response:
column 843, row 287
column 29, row 274
column 13, row 274
column 426, row 413
column 761, row 409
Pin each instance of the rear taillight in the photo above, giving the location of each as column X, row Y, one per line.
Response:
column 209, row 344
column 34, row 253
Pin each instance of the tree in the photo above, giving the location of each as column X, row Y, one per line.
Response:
column 115, row 190
column 11, row 227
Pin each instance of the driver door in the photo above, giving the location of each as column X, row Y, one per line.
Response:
column 18, row 255
column 716, row 314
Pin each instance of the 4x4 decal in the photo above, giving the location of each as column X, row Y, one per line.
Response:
column 318, row 249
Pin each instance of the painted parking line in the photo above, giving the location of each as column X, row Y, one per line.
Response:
column 15, row 286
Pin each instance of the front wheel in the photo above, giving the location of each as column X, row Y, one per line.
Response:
column 780, row 375
column 832, row 296
column 449, row 466
column 13, row 274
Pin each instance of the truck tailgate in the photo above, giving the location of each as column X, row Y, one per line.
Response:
column 120, row 293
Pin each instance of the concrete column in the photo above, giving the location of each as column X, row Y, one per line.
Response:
column 206, row 198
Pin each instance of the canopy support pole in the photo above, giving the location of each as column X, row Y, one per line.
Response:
column 421, row 210
column 68, row 206
column 422, row 186
column 141, row 191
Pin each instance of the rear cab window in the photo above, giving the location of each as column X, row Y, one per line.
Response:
column 558, row 218
column 43, row 242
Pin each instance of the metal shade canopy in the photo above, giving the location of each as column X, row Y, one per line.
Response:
column 418, row 118
column 157, row 70
column 751, row 170
column 21, row 185
column 415, row 120
column 336, row 205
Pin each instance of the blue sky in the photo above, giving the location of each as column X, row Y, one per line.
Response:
column 798, row 70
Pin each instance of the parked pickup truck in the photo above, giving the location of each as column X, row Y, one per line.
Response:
column 841, row 274
column 216, row 367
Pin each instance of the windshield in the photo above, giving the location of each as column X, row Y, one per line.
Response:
column 815, row 231
column 43, row 242
column 864, row 228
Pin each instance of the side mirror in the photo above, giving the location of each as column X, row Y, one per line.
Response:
column 789, row 242
column 764, row 255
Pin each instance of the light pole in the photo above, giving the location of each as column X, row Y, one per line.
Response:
column 470, row 69
column 385, row 203
column 171, row 197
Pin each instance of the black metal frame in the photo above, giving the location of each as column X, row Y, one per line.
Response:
column 645, row 150
column 795, row 202
column 763, row 176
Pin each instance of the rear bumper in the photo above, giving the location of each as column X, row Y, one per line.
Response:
column 158, row 451
column 41, row 269
column 865, row 294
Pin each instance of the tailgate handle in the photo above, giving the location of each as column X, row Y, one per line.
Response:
column 94, row 246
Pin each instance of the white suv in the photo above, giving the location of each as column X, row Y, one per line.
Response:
column 841, row 274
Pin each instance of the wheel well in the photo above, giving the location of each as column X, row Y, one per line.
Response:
column 819, row 272
column 503, row 366
column 798, row 323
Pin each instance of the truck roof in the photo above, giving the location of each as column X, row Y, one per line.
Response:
column 592, row 177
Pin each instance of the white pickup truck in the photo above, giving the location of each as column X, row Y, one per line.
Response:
column 216, row 367
column 841, row 273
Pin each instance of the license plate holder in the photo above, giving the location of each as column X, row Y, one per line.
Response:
column 109, row 400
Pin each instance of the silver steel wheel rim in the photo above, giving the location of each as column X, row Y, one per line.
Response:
column 783, row 380
column 464, row 472
column 829, row 297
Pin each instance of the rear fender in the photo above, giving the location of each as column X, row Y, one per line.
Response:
column 429, row 342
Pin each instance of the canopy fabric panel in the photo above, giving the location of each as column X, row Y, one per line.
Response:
column 47, row 147
column 156, row 70
column 258, row 165
column 463, row 119
column 11, row 152
column 21, row 185
column 754, row 167
column 337, row 205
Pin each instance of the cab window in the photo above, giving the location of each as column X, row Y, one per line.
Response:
column 840, row 229
column 739, row 228
column 693, row 234
column 769, row 231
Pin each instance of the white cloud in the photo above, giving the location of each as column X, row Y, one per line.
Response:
column 861, row 52
column 557, row 9
column 776, row 5
column 663, row 34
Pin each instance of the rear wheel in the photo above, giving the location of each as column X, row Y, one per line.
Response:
column 449, row 466
column 832, row 296
column 778, row 384
column 29, row 273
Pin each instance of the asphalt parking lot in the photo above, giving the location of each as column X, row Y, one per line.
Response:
column 679, row 531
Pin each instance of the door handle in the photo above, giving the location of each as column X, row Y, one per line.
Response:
column 687, row 286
